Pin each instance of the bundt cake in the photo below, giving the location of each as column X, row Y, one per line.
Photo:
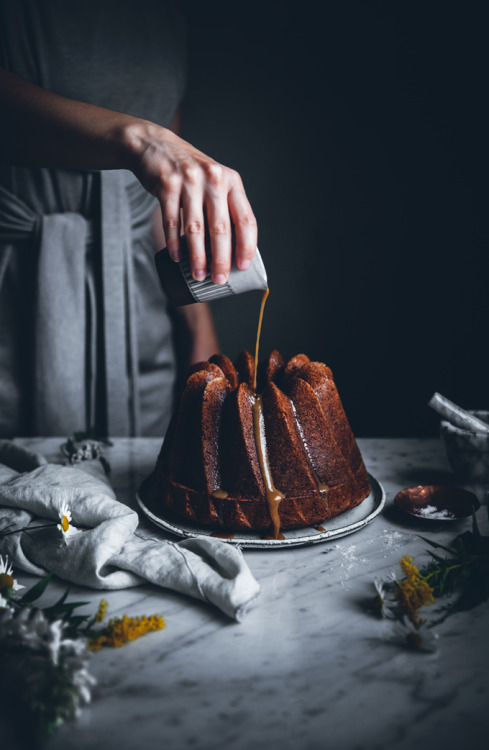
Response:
column 282, row 458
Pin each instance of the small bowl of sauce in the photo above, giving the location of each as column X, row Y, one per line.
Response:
column 434, row 502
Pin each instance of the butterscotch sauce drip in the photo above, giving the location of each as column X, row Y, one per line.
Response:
column 218, row 535
column 323, row 490
column 257, row 345
column 220, row 494
column 274, row 496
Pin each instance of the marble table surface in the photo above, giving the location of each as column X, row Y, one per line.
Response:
column 308, row 668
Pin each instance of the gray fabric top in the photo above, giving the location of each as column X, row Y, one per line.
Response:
column 128, row 57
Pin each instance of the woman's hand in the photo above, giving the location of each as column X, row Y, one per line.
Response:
column 41, row 128
column 208, row 194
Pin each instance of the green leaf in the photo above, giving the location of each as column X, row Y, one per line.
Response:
column 475, row 526
column 36, row 591
column 436, row 545
column 460, row 547
column 475, row 592
column 62, row 610
column 74, row 624
column 62, row 599
column 78, row 620
column 439, row 559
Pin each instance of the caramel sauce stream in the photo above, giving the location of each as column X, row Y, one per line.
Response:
column 221, row 494
column 274, row 496
column 257, row 345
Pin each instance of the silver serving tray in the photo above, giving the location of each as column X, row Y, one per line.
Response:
column 334, row 528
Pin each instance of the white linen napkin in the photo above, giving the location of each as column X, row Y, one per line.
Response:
column 106, row 553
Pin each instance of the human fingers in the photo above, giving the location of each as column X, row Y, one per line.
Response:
column 194, row 225
column 218, row 222
column 170, row 208
column 244, row 224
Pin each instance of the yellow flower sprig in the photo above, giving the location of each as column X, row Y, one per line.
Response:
column 120, row 631
column 101, row 611
column 413, row 592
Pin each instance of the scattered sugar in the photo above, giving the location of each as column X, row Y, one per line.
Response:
column 393, row 538
column 430, row 511
column 349, row 557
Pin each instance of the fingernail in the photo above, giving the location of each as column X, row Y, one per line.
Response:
column 219, row 279
column 176, row 257
column 244, row 264
column 199, row 275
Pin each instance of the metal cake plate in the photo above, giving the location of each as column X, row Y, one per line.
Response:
column 334, row 528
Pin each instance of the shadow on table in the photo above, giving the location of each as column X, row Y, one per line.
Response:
column 412, row 476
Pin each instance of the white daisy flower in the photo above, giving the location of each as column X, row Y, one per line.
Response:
column 380, row 603
column 420, row 638
column 64, row 525
column 7, row 581
column 49, row 668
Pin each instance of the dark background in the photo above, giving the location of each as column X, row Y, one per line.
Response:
column 359, row 130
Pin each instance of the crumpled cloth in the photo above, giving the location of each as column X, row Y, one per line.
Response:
column 106, row 553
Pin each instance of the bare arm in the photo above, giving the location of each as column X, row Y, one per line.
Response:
column 40, row 128
column 195, row 324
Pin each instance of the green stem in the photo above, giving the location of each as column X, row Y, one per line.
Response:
column 28, row 528
column 449, row 567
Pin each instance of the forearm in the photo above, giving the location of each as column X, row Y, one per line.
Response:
column 199, row 330
column 195, row 324
column 41, row 128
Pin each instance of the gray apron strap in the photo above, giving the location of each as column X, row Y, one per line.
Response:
column 60, row 341
column 121, row 361
column 17, row 222
column 60, row 240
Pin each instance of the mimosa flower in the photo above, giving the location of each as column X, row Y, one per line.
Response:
column 122, row 630
column 413, row 592
column 65, row 522
column 101, row 611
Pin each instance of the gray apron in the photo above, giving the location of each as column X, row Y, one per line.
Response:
column 76, row 340
column 85, row 331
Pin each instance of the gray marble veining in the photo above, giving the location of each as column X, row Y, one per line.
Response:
column 309, row 668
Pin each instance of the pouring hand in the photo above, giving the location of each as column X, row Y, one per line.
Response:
column 41, row 128
column 180, row 175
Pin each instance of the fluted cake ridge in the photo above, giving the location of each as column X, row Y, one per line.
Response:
column 281, row 458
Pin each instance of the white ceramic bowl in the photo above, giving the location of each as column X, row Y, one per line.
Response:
column 467, row 452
